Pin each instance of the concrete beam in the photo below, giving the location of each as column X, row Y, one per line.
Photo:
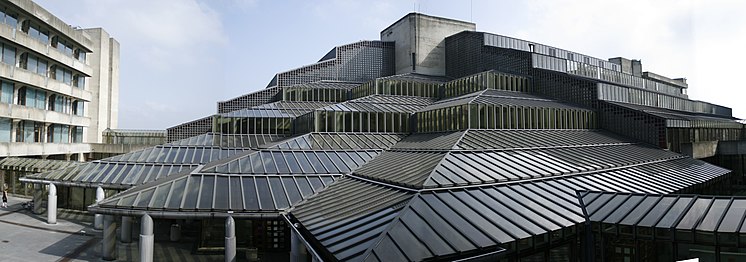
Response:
column 701, row 149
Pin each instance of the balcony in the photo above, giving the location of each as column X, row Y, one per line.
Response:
column 36, row 149
column 26, row 77
column 44, row 49
column 40, row 115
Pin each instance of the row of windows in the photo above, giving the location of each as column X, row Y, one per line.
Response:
column 336, row 121
column 251, row 125
column 32, row 97
column 590, row 71
column 486, row 80
column 517, row 44
column 33, row 132
column 608, row 92
column 397, row 87
column 487, row 116
column 40, row 66
column 37, row 98
column 38, row 32
column 8, row 17
column 315, row 94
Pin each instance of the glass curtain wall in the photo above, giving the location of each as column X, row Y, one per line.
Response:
column 486, row 80
column 490, row 116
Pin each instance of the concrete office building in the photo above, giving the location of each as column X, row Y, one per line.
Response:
column 470, row 146
column 60, row 84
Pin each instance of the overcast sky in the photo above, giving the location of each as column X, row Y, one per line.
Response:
column 179, row 57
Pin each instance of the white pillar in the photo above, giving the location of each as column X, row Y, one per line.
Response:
column 126, row 230
column 109, row 243
column 298, row 251
column 51, row 205
column 38, row 196
column 146, row 239
column 230, row 239
column 98, row 221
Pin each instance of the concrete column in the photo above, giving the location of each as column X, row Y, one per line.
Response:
column 146, row 239
column 98, row 221
column 38, row 196
column 109, row 243
column 230, row 239
column 126, row 229
column 52, row 205
column 298, row 251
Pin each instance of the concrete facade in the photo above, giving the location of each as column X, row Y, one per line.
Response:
column 420, row 42
column 60, row 84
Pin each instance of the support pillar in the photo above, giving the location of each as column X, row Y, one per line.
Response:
column 230, row 239
column 126, row 229
column 38, row 196
column 109, row 243
column 146, row 239
column 98, row 221
column 298, row 251
column 51, row 205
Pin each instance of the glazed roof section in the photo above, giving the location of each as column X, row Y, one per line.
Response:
column 356, row 220
column 720, row 214
column 500, row 97
column 34, row 165
column 382, row 103
column 326, row 153
column 139, row 167
column 676, row 118
column 477, row 157
column 220, row 193
column 281, row 109
column 338, row 141
column 257, row 182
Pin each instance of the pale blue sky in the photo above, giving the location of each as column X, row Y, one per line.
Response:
column 179, row 57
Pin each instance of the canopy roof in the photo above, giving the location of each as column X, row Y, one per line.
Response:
column 142, row 166
column 460, row 194
column 34, row 164
column 720, row 214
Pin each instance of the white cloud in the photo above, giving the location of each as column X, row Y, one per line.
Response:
column 159, row 33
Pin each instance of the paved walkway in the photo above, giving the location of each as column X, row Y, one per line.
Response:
column 25, row 236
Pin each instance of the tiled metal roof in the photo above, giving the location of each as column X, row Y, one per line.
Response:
column 339, row 141
column 721, row 214
column 490, row 156
column 448, row 223
column 214, row 192
column 382, row 103
column 327, row 84
column 138, row 167
column 282, row 109
column 35, row 165
column 504, row 139
column 227, row 140
column 296, row 162
column 500, row 97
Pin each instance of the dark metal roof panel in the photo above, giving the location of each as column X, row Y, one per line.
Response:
column 405, row 168
column 339, row 141
column 296, row 162
column 211, row 192
column 348, row 217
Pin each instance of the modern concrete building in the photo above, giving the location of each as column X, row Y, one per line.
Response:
column 438, row 143
column 60, row 84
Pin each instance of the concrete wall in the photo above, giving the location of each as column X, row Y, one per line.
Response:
column 424, row 36
column 104, row 85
